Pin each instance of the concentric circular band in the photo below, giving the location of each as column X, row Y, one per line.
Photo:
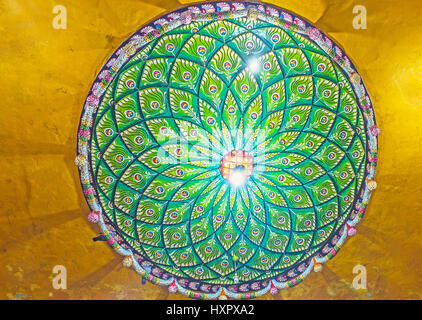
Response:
column 227, row 149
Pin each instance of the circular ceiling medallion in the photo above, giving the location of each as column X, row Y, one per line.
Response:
column 227, row 149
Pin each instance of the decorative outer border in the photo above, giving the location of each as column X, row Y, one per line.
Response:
column 221, row 11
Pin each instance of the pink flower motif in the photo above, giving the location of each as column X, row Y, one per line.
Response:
column 173, row 288
column 111, row 62
column 328, row 41
column 88, row 191
column 158, row 23
column 351, row 231
column 231, row 288
column 286, row 16
column 261, row 8
column 273, row 291
column 92, row 100
column 156, row 33
column 205, row 288
column 207, row 8
column 194, row 285
column 254, row 286
column 108, row 77
column 302, row 267
column 95, row 86
column 157, row 272
column 314, row 34
column 346, row 61
column 84, row 133
column 243, row 288
column 119, row 52
column 193, row 10
column 135, row 37
column 223, row 6
column 272, row 12
column 94, row 217
column 299, row 22
column 146, row 30
column 173, row 16
column 372, row 159
column 102, row 74
column 237, row 6
column 375, row 130
column 186, row 17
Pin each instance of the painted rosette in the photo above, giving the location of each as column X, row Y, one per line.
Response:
column 227, row 149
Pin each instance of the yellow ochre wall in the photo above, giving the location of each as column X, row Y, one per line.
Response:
column 45, row 75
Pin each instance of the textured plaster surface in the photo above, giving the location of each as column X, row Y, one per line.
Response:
column 45, row 76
